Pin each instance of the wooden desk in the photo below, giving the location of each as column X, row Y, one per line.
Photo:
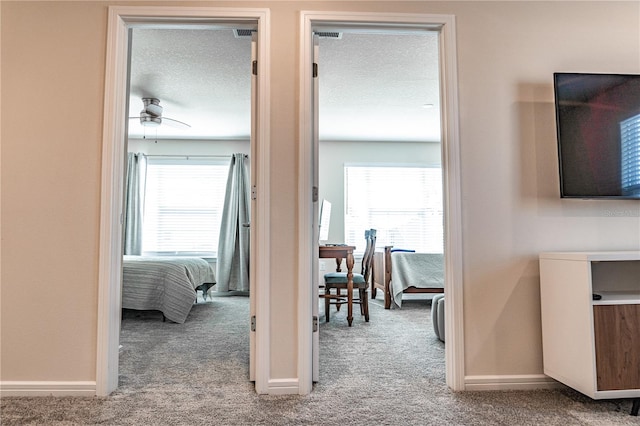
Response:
column 339, row 253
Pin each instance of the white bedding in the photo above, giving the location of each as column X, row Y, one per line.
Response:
column 421, row 270
column 166, row 284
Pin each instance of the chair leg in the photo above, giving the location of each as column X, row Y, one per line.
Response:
column 365, row 304
column 362, row 295
column 338, row 295
column 327, row 304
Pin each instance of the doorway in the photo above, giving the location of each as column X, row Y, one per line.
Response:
column 443, row 25
column 121, row 21
column 194, row 88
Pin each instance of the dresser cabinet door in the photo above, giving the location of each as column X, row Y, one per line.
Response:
column 617, row 344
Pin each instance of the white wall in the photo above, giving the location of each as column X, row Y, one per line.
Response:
column 507, row 52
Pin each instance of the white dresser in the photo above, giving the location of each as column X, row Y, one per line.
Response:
column 592, row 345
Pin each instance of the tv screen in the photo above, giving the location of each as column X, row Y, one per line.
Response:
column 598, row 128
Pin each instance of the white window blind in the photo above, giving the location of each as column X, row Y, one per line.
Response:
column 403, row 203
column 630, row 135
column 184, row 199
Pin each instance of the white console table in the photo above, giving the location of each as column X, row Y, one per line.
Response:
column 592, row 345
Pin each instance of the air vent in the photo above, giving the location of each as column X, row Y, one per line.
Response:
column 240, row 33
column 329, row 34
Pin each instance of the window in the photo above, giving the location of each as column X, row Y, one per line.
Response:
column 184, row 199
column 630, row 133
column 403, row 203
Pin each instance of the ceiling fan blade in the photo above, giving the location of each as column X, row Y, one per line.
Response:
column 175, row 123
column 151, row 115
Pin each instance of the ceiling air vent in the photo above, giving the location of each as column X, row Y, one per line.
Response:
column 329, row 34
column 240, row 33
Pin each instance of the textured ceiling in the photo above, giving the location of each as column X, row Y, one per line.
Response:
column 202, row 77
column 379, row 87
column 373, row 86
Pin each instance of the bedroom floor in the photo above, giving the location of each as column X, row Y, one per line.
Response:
column 388, row 371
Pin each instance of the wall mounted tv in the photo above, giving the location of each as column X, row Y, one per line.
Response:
column 598, row 128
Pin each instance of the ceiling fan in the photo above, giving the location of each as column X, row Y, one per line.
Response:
column 151, row 115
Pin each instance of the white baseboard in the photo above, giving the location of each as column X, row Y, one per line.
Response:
column 283, row 386
column 53, row 388
column 510, row 382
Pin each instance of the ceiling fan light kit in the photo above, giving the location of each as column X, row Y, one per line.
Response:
column 149, row 120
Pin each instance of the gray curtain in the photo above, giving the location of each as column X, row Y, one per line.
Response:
column 134, row 203
column 233, row 247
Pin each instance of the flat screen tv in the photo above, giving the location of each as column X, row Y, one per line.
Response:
column 598, row 129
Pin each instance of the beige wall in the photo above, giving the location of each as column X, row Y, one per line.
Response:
column 53, row 59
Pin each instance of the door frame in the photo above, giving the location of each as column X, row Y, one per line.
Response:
column 121, row 19
column 454, row 320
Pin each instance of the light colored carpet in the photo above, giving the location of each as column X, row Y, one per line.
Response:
column 389, row 371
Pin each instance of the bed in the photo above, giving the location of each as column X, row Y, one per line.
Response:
column 165, row 284
column 398, row 272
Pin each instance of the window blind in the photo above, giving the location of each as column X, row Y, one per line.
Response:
column 403, row 203
column 184, row 199
column 630, row 135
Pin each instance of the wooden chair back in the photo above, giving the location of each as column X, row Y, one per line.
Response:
column 370, row 248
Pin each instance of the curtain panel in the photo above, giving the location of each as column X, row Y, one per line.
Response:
column 233, row 246
column 134, row 202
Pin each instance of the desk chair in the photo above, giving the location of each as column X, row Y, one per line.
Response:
column 338, row 281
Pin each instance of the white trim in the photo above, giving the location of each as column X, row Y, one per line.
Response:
column 454, row 306
column 262, row 228
column 121, row 18
column 454, row 323
column 283, row 386
column 305, row 211
column 43, row 388
column 616, row 394
column 511, row 382
column 110, row 262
